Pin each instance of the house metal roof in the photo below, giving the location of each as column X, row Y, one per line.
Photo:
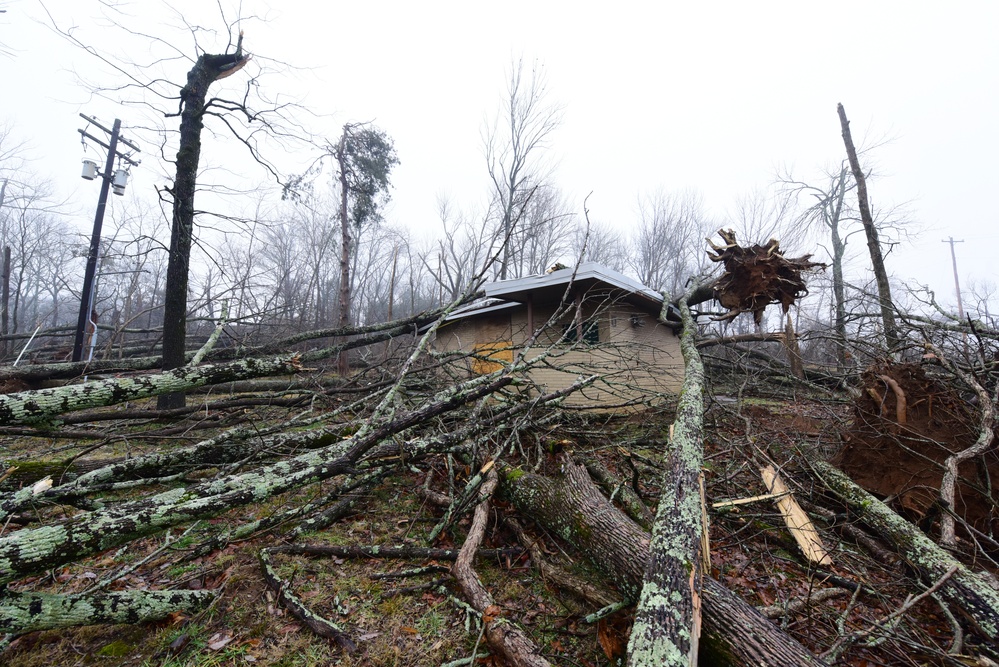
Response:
column 584, row 276
column 587, row 277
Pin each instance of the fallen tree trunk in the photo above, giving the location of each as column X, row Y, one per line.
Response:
column 31, row 373
column 503, row 635
column 668, row 616
column 224, row 449
column 571, row 506
column 964, row 589
column 21, row 613
column 43, row 405
column 32, row 550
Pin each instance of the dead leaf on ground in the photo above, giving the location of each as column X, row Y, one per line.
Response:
column 612, row 640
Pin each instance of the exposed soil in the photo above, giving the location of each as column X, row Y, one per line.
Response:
column 900, row 455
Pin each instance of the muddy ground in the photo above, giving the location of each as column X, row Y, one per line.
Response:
column 899, row 456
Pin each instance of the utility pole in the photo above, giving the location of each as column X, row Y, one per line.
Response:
column 957, row 283
column 87, row 295
column 4, row 282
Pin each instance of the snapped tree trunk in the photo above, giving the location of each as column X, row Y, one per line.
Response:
column 345, row 241
column 964, row 589
column 873, row 245
column 572, row 507
column 206, row 70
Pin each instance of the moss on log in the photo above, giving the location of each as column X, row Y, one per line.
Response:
column 33, row 550
column 964, row 589
column 42, row 405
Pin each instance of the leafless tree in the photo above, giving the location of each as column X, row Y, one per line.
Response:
column 595, row 242
column 766, row 213
column 667, row 248
column 544, row 234
column 891, row 333
column 515, row 143
column 464, row 245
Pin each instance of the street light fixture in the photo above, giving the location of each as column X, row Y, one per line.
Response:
column 109, row 180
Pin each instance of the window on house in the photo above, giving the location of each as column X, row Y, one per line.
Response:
column 591, row 332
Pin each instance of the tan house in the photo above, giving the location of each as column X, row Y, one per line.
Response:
column 574, row 322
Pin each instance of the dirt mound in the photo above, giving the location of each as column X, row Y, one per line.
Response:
column 905, row 425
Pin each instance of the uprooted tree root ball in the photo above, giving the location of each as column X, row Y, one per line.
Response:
column 757, row 276
column 905, row 425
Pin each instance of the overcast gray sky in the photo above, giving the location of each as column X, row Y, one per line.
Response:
column 712, row 96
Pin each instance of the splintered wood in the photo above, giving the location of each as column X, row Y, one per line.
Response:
column 797, row 521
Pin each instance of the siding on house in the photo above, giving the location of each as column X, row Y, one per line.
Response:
column 637, row 358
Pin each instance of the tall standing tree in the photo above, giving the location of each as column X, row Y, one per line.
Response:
column 514, row 145
column 892, row 339
column 365, row 157
column 246, row 112
column 830, row 209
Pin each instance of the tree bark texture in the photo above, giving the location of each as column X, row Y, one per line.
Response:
column 227, row 448
column 873, row 245
column 345, row 240
column 21, row 613
column 43, row 405
column 72, row 369
column 668, row 618
column 964, row 589
column 572, row 507
column 207, row 69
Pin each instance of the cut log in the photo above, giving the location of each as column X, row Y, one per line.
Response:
column 43, row 405
column 978, row 600
column 572, row 507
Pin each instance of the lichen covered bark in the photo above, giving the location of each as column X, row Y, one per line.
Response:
column 27, row 612
column 43, row 405
column 570, row 506
column 667, row 619
column 32, row 550
column 963, row 588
